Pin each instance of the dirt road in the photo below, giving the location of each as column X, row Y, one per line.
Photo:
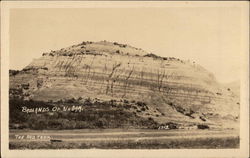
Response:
column 95, row 135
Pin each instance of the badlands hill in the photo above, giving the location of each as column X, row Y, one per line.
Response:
column 167, row 89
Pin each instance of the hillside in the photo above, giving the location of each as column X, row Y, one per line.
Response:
column 164, row 89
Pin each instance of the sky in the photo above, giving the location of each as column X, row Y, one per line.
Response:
column 210, row 36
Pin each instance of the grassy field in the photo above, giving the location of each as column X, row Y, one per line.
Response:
column 120, row 139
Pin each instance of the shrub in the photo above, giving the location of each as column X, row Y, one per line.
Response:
column 141, row 103
column 150, row 119
column 152, row 55
column 125, row 101
column 202, row 126
column 202, row 118
column 51, row 54
column 72, row 100
column 13, row 72
column 44, row 68
column 88, row 102
column 171, row 104
column 127, row 107
column 172, row 125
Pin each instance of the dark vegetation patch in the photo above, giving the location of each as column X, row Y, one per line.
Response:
column 218, row 93
column 13, row 72
column 94, row 115
column 85, row 52
column 16, row 92
column 202, row 118
column 33, row 69
column 84, row 43
column 19, row 92
column 154, row 56
column 178, row 108
column 202, row 126
column 120, row 45
column 51, row 54
column 170, row 125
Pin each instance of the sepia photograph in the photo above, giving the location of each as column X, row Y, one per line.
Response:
column 109, row 76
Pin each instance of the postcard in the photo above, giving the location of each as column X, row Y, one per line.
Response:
column 124, row 79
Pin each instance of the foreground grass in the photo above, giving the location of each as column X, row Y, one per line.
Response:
column 185, row 143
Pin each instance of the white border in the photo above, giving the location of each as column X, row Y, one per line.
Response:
column 244, row 119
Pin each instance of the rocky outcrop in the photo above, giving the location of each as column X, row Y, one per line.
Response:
column 177, row 90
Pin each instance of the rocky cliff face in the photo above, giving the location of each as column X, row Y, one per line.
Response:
column 174, row 90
